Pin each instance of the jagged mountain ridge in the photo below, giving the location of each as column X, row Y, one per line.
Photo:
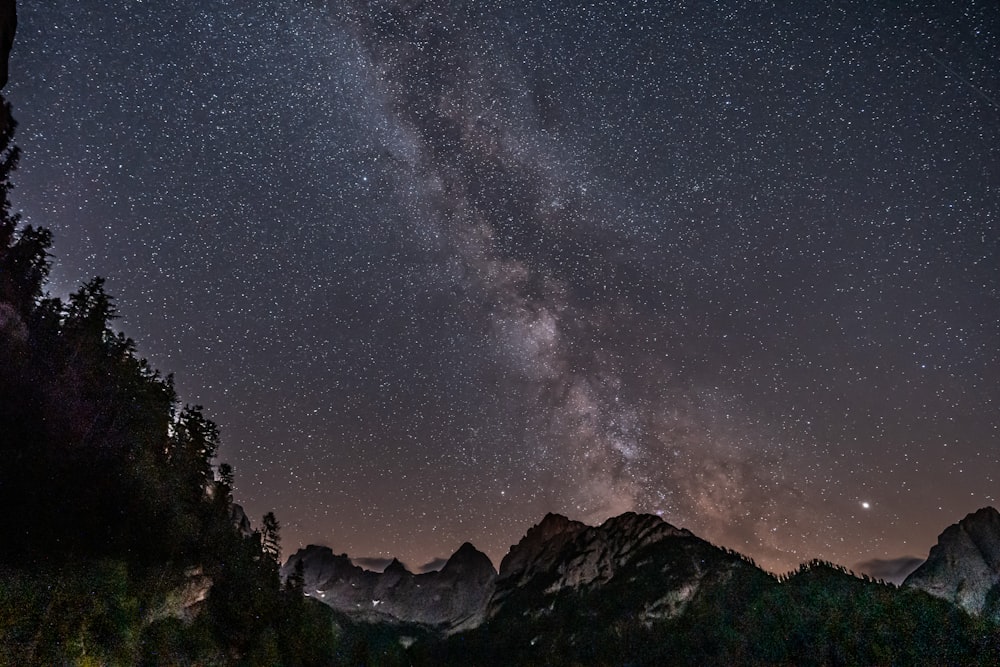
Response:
column 560, row 553
column 557, row 554
column 964, row 566
column 591, row 553
column 637, row 590
column 448, row 600
column 569, row 554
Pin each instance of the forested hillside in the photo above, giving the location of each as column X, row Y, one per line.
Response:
column 118, row 522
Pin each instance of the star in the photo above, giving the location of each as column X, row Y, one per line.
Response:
column 582, row 259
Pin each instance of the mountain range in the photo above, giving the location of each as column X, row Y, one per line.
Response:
column 637, row 590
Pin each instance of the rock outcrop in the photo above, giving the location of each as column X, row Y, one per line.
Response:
column 238, row 517
column 964, row 566
column 185, row 601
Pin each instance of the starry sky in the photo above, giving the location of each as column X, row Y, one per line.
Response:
column 439, row 267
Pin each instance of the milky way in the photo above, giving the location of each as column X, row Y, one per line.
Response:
column 439, row 267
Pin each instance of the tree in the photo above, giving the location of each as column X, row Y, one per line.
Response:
column 89, row 313
column 295, row 585
column 9, row 157
column 269, row 538
column 24, row 266
column 224, row 485
column 24, row 262
column 108, row 488
column 193, row 446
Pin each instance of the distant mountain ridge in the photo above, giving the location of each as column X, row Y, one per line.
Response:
column 637, row 590
column 560, row 553
column 556, row 554
column 448, row 600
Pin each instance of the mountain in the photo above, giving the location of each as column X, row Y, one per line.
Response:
column 558, row 553
column 964, row 566
column 582, row 554
column 449, row 600
column 634, row 590
column 562, row 554
column 637, row 590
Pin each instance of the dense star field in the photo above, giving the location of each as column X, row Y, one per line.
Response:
column 437, row 268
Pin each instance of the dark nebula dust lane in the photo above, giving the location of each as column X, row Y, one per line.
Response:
column 440, row 267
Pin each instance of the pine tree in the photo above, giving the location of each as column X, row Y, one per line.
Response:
column 270, row 540
column 296, row 582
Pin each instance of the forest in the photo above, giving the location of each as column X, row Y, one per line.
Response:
column 114, row 503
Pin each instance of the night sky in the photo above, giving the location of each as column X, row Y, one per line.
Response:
column 437, row 268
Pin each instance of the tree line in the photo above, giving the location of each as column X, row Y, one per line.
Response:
column 112, row 497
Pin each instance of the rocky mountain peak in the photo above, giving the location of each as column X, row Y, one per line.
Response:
column 396, row 567
column 449, row 600
column 964, row 566
column 469, row 561
column 639, row 527
column 540, row 546
column 321, row 567
column 553, row 524
column 578, row 554
column 983, row 529
column 466, row 551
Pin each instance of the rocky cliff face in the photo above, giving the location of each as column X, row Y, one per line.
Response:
column 240, row 520
column 452, row 599
column 964, row 566
column 539, row 549
column 578, row 554
column 628, row 550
